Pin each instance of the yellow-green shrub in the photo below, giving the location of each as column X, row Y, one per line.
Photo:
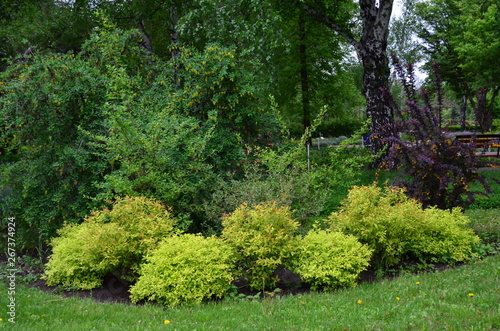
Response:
column 146, row 222
column 83, row 254
column 110, row 240
column 396, row 227
column 264, row 238
column 445, row 238
column 329, row 259
column 185, row 269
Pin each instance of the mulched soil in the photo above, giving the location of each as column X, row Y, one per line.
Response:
column 116, row 290
column 113, row 290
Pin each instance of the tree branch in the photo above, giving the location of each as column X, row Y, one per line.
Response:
column 326, row 20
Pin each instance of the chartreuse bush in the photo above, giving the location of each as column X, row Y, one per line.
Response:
column 264, row 238
column 110, row 240
column 330, row 259
column 397, row 228
column 186, row 268
column 83, row 254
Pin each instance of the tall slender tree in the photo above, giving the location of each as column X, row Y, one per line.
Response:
column 370, row 46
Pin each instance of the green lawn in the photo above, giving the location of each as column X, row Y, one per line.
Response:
column 465, row 298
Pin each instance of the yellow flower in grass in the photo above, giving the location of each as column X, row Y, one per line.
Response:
column 471, row 294
column 418, row 283
column 166, row 322
column 397, row 298
column 360, row 301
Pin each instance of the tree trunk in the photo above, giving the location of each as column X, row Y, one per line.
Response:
column 463, row 114
column 174, row 34
column 304, row 74
column 483, row 112
column 372, row 52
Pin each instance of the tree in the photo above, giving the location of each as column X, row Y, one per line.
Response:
column 46, row 26
column 370, row 47
column 296, row 60
column 402, row 38
column 463, row 36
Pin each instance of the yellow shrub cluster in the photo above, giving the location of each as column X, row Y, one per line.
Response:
column 110, row 240
column 377, row 226
column 396, row 227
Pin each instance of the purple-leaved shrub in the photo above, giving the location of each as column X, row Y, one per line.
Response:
column 435, row 168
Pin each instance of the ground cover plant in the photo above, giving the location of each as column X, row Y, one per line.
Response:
column 464, row 298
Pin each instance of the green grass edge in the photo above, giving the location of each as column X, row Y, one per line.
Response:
column 464, row 298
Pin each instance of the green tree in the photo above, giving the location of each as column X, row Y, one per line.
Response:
column 29, row 26
column 44, row 106
column 295, row 59
column 463, row 37
column 370, row 45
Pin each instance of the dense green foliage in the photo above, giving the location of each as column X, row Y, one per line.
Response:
column 169, row 106
column 186, row 269
column 44, row 107
column 264, row 238
column 110, row 240
column 114, row 120
column 398, row 229
column 328, row 259
column 311, row 186
column 462, row 36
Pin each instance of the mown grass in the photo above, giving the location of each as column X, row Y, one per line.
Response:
column 464, row 298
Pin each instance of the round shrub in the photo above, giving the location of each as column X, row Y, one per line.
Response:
column 445, row 237
column 397, row 228
column 83, row 254
column 185, row 269
column 328, row 260
column 263, row 237
column 110, row 240
column 146, row 222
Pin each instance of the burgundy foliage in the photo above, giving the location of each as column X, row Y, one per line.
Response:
column 434, row 167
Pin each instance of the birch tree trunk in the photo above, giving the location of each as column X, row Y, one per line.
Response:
column 371, row 49
column 372, row 52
